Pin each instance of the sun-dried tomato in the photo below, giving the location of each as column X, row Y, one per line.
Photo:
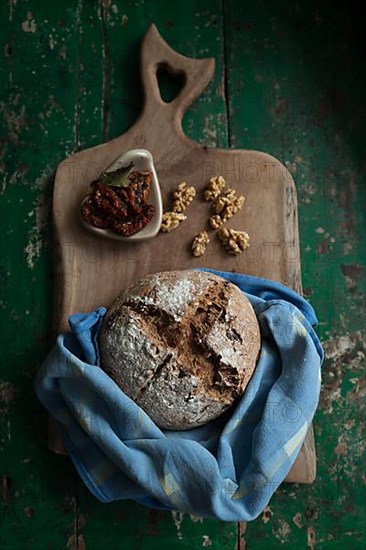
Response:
column 108, row 201
column 134, row 224
column 93, row 216
column 124, row 210
column 141, row 181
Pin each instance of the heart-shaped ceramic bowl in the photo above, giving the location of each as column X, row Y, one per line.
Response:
column 142, row 160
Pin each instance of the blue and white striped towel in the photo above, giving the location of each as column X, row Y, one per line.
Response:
column 227, row 469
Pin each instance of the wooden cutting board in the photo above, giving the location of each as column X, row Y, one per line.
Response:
column 91, row 271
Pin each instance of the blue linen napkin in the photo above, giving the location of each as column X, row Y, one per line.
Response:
column 227, row 469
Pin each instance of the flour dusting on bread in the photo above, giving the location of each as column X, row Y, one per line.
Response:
column 182, row 344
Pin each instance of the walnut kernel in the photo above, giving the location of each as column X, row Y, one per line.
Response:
column 200, row 243
column 233, row 208
column 183, row 196
column 227, row 204
column 215, row 221
column 214, row 188
column 171, row 220
column 223, row 200
column 234, row 241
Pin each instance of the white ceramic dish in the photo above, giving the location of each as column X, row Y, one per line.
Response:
column 143, row 161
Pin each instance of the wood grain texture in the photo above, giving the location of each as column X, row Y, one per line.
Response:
column 91, row 271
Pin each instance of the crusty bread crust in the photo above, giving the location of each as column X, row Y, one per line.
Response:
column 182, row 344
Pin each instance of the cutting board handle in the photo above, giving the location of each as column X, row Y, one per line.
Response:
column 195, row 74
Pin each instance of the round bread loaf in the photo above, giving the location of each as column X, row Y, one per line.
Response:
column 182, row 344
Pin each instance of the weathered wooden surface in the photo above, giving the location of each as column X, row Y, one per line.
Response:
column 289, row 80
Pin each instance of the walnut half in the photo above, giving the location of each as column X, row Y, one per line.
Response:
column 200, row 243
column 234, row 241
column 225, row 206
column 215, row 221
column 183, row 196
column 171, row 220
column 214, row 188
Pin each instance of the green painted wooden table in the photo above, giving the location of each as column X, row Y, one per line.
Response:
column 290, row 81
